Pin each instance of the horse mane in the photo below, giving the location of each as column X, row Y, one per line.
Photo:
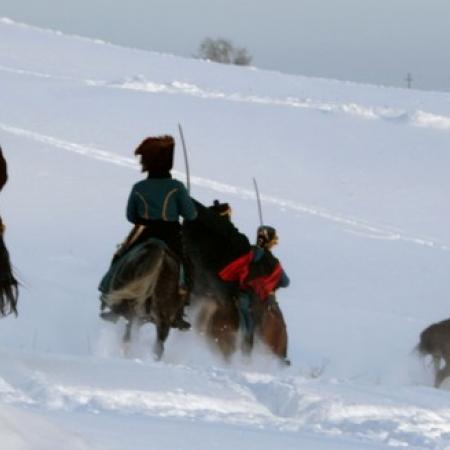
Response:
column 213, row 240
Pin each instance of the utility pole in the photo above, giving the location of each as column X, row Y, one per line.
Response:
column 409, row 80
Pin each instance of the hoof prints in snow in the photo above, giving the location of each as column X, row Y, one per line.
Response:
column 277, row 402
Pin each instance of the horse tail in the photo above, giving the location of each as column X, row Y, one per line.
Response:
column 138, row 277
column 9, row 287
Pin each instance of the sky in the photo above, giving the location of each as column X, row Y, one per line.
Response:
column 369, row 41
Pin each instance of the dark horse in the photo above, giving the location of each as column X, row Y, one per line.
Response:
column 142, row 287
column 212, row 241
column 8, row 284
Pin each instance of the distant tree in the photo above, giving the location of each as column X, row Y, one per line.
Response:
column 222, row 51
column 241, row 57
column 218, row 50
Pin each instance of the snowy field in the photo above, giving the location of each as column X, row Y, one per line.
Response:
column 354, row 178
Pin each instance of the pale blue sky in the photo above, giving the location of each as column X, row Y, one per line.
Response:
column 375, row 41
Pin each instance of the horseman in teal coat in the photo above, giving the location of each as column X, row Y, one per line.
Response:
column 155, row 206
column 158, row 201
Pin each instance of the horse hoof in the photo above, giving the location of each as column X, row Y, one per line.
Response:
column 158, row 351
column 126, row 349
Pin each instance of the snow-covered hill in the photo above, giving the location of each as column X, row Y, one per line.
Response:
column 355, row 178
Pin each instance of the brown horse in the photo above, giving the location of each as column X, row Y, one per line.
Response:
column 435, row 341
column 212, row 241
column 142, row 287
column 219, row 320
column 271, row 327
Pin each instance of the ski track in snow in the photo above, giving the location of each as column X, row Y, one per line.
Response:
column 275, row 402
column 357, row 226
column 416, row 118
column 35, row 74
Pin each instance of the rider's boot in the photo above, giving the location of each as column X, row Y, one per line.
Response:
column 180, row 322
column 247, row 322
column 183, row 292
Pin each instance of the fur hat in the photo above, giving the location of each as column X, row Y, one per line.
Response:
column 223, row 209
column 156, row 154
column 266, row 235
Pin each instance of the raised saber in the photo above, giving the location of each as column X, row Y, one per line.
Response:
column 258, row 199
column 186, row 160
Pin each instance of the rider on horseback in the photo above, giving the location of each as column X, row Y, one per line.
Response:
column 155, row 205
column 258, row 274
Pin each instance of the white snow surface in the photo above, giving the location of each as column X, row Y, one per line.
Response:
column 355, row 179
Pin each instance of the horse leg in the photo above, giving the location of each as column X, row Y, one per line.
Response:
column 162, row 331
column 225, row 337
column 436, row 364
column 274, row 334
column 126, row 339
column 441, row 374
column 247, row 344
